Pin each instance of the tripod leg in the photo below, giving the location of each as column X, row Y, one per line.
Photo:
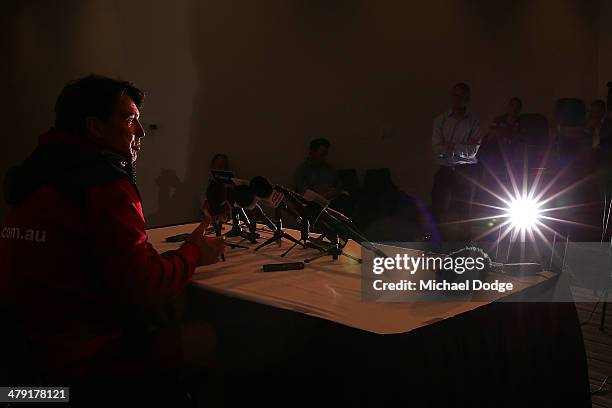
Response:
column 287, row 251
column 290, row 238
column 314, row 258
column 314, row 246
column 354, row 258
column 270, row 240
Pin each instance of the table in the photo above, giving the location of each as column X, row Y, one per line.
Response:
column 325, row 289
column 309, row 333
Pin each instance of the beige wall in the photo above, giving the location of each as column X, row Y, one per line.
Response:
column 259, row 79
column 604, row 54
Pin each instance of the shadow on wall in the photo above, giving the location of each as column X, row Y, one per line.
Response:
column 38, row 54
column 171, row 191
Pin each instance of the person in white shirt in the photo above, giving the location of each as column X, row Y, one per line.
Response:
column 455, row 141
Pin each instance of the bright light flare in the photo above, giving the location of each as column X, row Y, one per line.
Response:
column 523, row 213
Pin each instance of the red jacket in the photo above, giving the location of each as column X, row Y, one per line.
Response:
column 74, row 256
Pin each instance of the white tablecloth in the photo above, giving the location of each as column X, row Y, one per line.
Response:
column 325, row 288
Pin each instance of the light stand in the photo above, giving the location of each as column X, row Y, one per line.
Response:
column 606, row 291
column 605, row 222
column 604, row 299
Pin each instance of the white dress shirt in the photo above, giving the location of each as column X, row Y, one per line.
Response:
column 463, row 131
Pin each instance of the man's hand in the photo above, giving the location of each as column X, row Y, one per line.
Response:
column 221, row 214
column 211, row 248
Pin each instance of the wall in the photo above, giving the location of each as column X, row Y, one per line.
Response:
column 604, row 54
column 258, row 80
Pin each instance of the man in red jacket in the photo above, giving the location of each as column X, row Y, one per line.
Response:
column 75, row 264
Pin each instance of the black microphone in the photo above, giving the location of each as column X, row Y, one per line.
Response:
column 242, row 196
column 330, row 221
column 266, row 192
column 276, row 196
column 216, row 205
column 336, row 223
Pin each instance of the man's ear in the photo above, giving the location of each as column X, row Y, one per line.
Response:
column 94, row 127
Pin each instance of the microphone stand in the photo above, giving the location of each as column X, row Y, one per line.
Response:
column 277, row 229
column 305, row 237
column 335, row 250
column 252, row 235
column 237, row 230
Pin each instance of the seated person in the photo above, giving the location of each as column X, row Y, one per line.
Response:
column 219, row 161
column 82, row 277
column 318, row 175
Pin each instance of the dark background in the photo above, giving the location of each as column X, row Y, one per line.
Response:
column 259, row 79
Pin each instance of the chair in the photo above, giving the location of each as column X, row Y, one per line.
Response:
column 349, row 181
column 533, row 129
column 570, row 112
column 378, row 181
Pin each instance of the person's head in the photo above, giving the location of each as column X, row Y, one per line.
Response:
column 460, row 96
column 598, row 110
column 219, row 161
column 318, row 150
column 515, row 106
column 103, row 109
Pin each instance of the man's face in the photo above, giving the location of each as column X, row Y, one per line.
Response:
column 220, row 163
column 514, row 108
column 459, row 98
column 319, row 155
column 597, row 113
column 122, row 131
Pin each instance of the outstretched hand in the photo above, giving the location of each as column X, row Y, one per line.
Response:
column 211, row 248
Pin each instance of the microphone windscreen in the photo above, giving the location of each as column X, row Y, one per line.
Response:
column 216, row 195
column 261, row 186
column 244, row 197
column 316, row 197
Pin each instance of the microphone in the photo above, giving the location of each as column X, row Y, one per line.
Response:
column 310, row 195
column 266, row 192
column 277, row 197
column 216, row 205
column 227, row 178
column 315, row 210
column 242, row 196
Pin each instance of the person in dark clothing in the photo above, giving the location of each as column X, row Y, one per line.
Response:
column 76, row 270
column 502, row 138
column 317, row 175
column 501, row 145
column 220, row 161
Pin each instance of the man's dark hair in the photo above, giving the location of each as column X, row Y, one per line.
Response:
column 315, row 144
column 92, row 95
column 518, row 100
column 599, row 103
column 464, row 87
column 220, row 156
